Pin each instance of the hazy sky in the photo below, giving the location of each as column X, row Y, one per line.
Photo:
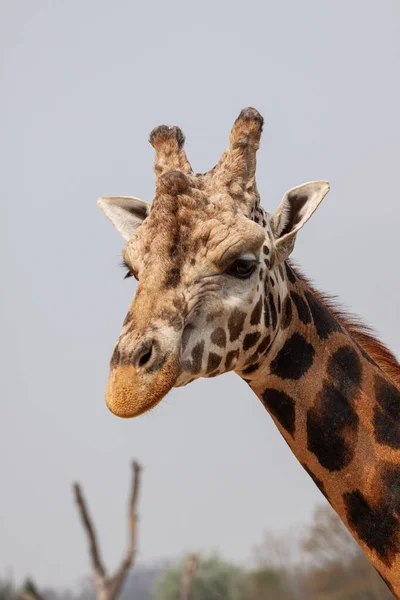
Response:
column 82, row 85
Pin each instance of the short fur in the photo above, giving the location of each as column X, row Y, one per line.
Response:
column 359, row 331
column 330, row 386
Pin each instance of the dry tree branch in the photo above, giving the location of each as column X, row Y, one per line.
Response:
column 88, row 525
column 132, row 515
column 109, row 587
column 129, row 557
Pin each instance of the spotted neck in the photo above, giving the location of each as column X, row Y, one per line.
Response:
column 339, row 413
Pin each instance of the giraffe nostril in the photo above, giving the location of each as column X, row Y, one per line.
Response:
column 143, row 353
column 145, row 358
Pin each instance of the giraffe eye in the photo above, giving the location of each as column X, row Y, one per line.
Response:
column 242, row 268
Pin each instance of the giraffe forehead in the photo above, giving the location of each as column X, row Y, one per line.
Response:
column 179, row 228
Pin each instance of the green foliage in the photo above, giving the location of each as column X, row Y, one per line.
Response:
column 31, row 589
column 213, row 579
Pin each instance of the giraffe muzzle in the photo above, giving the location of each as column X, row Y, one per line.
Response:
column 140, row 379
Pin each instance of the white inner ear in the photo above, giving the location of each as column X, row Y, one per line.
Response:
column 296, row 207
column 126, row 213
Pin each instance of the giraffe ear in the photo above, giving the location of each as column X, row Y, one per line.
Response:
column 126, row 213
column 296, row 207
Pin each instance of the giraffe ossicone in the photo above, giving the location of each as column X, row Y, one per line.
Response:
column 216, row 293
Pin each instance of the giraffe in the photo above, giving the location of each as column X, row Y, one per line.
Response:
column 217, row 292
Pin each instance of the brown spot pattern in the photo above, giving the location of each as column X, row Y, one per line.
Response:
column 218, row 337
column 235, row 324
column 286, row 313
column 251, row 339
column 256, row 314
column 214, row 360
column 197, row 356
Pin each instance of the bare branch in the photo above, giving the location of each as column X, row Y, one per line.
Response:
column 88, row 525
column 132, row 515
column 187, row 576
column 119, row 577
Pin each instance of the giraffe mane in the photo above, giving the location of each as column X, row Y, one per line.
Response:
column 363, row 334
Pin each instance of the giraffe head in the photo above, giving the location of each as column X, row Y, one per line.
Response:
column 210, row 265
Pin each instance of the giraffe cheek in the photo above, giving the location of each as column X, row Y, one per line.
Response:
column 130, row 394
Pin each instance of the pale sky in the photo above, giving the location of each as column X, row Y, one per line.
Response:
column 82, row 85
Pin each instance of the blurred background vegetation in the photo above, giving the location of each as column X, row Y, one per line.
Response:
column 324, row 563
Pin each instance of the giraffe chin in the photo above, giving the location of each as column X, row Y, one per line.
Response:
column 130, row 394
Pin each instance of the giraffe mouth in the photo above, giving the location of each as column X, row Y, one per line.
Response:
column 131, row 393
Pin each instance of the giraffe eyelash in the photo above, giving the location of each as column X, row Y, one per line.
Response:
column 129, row 273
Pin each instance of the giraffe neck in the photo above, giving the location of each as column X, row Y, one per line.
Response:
column 340, row 414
